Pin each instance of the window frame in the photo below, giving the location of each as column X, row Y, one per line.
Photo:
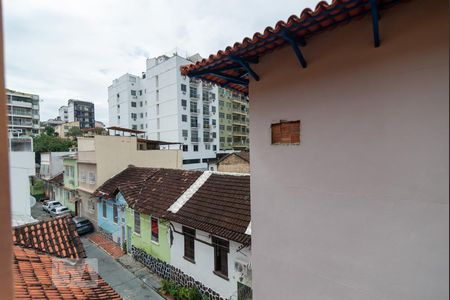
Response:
column 137, row 216
column 154, row 236
column 221, row 250
column 189, row 244
column 104, row 209
column 285, row 133
column 115, row 214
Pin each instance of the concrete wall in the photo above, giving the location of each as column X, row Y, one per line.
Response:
column 358, row 210
column 21, row 167
column 203, row 268
column 115, row 153
column 88, row 207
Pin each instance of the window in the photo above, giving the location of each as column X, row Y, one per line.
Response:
column 185, row 148
column 189, row 243
column 191, row 161
column 222, row 115
column 193, row 106
column 214, row 148
column 82, row 176
column 155, row 230
column 133, row 104
column 213, row 109
column 133, row 93
column 195, row 148
column 140, row 94
column 286, row 133
column 184, row 118
column 194, row 122
column 137, row 222
column 228, row 116
column 141, row 115
column 183, row 102
column 221, row 249
column 222, row 139
column 222, row 127
column 184, row 133
column 134, row 127
column 104, row 210
column 91, row 178
column 207, row 147
column 140, row 102
column 134, row 116
column 221, row 103
column 115, row 214
column 183, row 87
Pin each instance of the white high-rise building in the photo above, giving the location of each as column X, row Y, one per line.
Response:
column 169, row 107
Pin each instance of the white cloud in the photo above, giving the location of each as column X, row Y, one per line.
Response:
column 74, row 49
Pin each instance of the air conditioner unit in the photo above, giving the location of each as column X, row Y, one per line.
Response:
column 243, row 268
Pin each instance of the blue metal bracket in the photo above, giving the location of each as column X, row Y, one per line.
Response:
column 294, row 44
column 376, row 30
column 245, row 65
column 231, row 79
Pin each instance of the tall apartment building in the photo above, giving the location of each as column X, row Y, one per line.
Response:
column 168, row 107
column 63, row 113
column 81, row 111
column 23, row 113
column 233, row 120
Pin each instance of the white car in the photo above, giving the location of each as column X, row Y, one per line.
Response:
column 59, row 211
column 49, row 205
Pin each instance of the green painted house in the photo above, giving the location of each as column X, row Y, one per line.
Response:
column 148, row 193
column 68, row 196
column 148, row 233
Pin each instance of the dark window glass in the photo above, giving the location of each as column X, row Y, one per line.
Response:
column 189, row 243
column 137, row 222
column 155, row 230
column 115, row 214
column 104, row 209
column 221, row 249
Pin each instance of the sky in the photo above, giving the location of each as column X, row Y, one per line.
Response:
column 61, row 49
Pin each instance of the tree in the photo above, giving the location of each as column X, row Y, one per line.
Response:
column 74, row 132
column 48, row 143
column 49, row 130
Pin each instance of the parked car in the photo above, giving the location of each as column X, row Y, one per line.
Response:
column 83, row 225
column 49, row 205
column 59, row 211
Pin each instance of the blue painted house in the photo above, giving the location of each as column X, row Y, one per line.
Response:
column 111, row 216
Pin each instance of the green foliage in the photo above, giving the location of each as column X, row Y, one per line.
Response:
column 175, row 290
column 47, row 143
column 49, row 131
column 74, row 132
column 124, row 247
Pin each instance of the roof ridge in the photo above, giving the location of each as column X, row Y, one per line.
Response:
column 178, row 204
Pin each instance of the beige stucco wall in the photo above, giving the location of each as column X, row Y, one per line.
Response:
column 115, row 153
column 233, row 164
column 359, row 210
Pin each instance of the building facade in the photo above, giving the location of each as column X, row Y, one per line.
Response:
column 349, row 143
column 233, row 120
column 63, row 113
column 81, row 111
column 169, row 107
column 21, row 167
column 23, row 112
column 63, row 129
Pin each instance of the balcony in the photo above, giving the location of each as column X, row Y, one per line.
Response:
column 206, row 113
column 240, row 133
column 239, row 122
column 240, row 111
column 206, row 127
column 195, row 139
column 21, row 123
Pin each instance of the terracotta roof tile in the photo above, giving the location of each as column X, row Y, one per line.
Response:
column 57, row 237
column 34, row 278
column 309, row 22
column 221, row 206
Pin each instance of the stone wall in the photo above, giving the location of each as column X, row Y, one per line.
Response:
column 169, row 272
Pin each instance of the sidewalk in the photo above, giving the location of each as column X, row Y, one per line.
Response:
column 129, row 285
column 107, row 245
column 140, row 271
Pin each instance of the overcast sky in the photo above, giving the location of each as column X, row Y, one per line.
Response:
column 61, row 49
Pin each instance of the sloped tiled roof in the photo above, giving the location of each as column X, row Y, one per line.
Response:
column 34, row 278
column 221, row 206
column 57, row 237
column 308, row 23
column 149, row 190
column 128, row 182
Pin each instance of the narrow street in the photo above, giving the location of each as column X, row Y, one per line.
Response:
column 122, row 280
